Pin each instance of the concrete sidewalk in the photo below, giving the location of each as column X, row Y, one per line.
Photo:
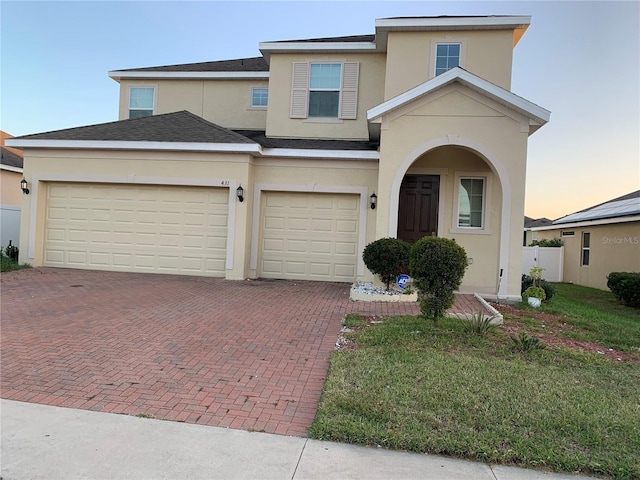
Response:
column 45, row 442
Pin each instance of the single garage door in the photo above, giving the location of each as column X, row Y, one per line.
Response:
column 311, row 236
column 136, row 228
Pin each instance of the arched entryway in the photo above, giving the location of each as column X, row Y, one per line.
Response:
column 430, row 194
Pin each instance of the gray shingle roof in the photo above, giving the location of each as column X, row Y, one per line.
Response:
column 349, row 38
column 10, row 159
column 307, row 144
column 536, row 222
column 254, row 64
column 170, row 127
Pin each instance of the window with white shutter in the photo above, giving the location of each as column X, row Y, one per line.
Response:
column 349, row 100
column 300, row 90
column 325, row 90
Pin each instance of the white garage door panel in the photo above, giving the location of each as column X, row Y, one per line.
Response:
column 156, row 228
column 312, row 236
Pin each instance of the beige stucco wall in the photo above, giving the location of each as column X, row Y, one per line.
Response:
column 128, row 167
column 192, row 168
column 223, row 102
column 10, row 192
column 411, row 57
column 370, row 94
column 337, row 176
column 613, row 248
column 458, row 117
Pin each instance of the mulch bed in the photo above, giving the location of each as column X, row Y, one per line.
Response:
column 555, row 326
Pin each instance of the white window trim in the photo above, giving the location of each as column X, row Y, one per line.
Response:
column 258, row 107
column 155, row 99
column 445, row 41
column 583, row 248
column 486, row 210
column 339, row 90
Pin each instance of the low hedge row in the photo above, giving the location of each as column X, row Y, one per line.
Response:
column 626, row 287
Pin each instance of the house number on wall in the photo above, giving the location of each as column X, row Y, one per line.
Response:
column 225, row 183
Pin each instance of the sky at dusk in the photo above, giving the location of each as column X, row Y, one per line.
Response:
column 580, row 60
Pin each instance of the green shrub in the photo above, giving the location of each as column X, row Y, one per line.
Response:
column 626, row 287
column 437, row 266
column 478, row 323
column 524, row 343
column 547, row 242
column 549, row 288
column 387, row 258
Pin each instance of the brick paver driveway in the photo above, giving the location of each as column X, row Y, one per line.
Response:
column 246, row 354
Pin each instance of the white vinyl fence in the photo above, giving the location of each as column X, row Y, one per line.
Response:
column 9, row 225
column 549, row 258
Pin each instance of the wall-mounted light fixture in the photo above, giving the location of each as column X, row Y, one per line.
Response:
column 23, row 186
column 374, row 200
column 240, row 193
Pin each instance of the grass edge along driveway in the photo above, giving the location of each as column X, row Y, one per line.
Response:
column 408, row 385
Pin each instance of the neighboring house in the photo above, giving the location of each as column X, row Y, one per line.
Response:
column 419, row 114
column 529, row 236
column 10, row 192
column 599, row 240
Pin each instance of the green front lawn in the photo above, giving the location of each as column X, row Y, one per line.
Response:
column 412, row 386
column 7, row 265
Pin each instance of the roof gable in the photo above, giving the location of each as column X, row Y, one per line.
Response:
column 537, row 115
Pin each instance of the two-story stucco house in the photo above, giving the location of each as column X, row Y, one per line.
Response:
column 286, row 165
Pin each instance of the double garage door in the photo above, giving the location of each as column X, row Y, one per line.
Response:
column 136, row 228
column 183, row 230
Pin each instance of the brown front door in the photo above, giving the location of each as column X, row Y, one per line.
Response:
column 418, row 207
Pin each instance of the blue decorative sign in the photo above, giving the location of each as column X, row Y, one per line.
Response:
column 402, row 280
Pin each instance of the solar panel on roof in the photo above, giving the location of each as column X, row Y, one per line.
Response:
column 620, row 208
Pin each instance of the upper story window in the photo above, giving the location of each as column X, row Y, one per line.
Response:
column 447, row 57
column 471, row 195
column 141, row 101
column 324, row 89
column 259, row 97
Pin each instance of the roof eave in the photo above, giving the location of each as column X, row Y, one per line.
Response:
column 267, row 48
column 588, row 223
column 136, row 145
column 117, row 75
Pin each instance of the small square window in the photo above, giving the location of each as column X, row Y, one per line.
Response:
column 259, row 97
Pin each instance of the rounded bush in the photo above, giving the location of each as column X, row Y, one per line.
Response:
column 626, row 287
column 437, row 266
column 387, row 258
